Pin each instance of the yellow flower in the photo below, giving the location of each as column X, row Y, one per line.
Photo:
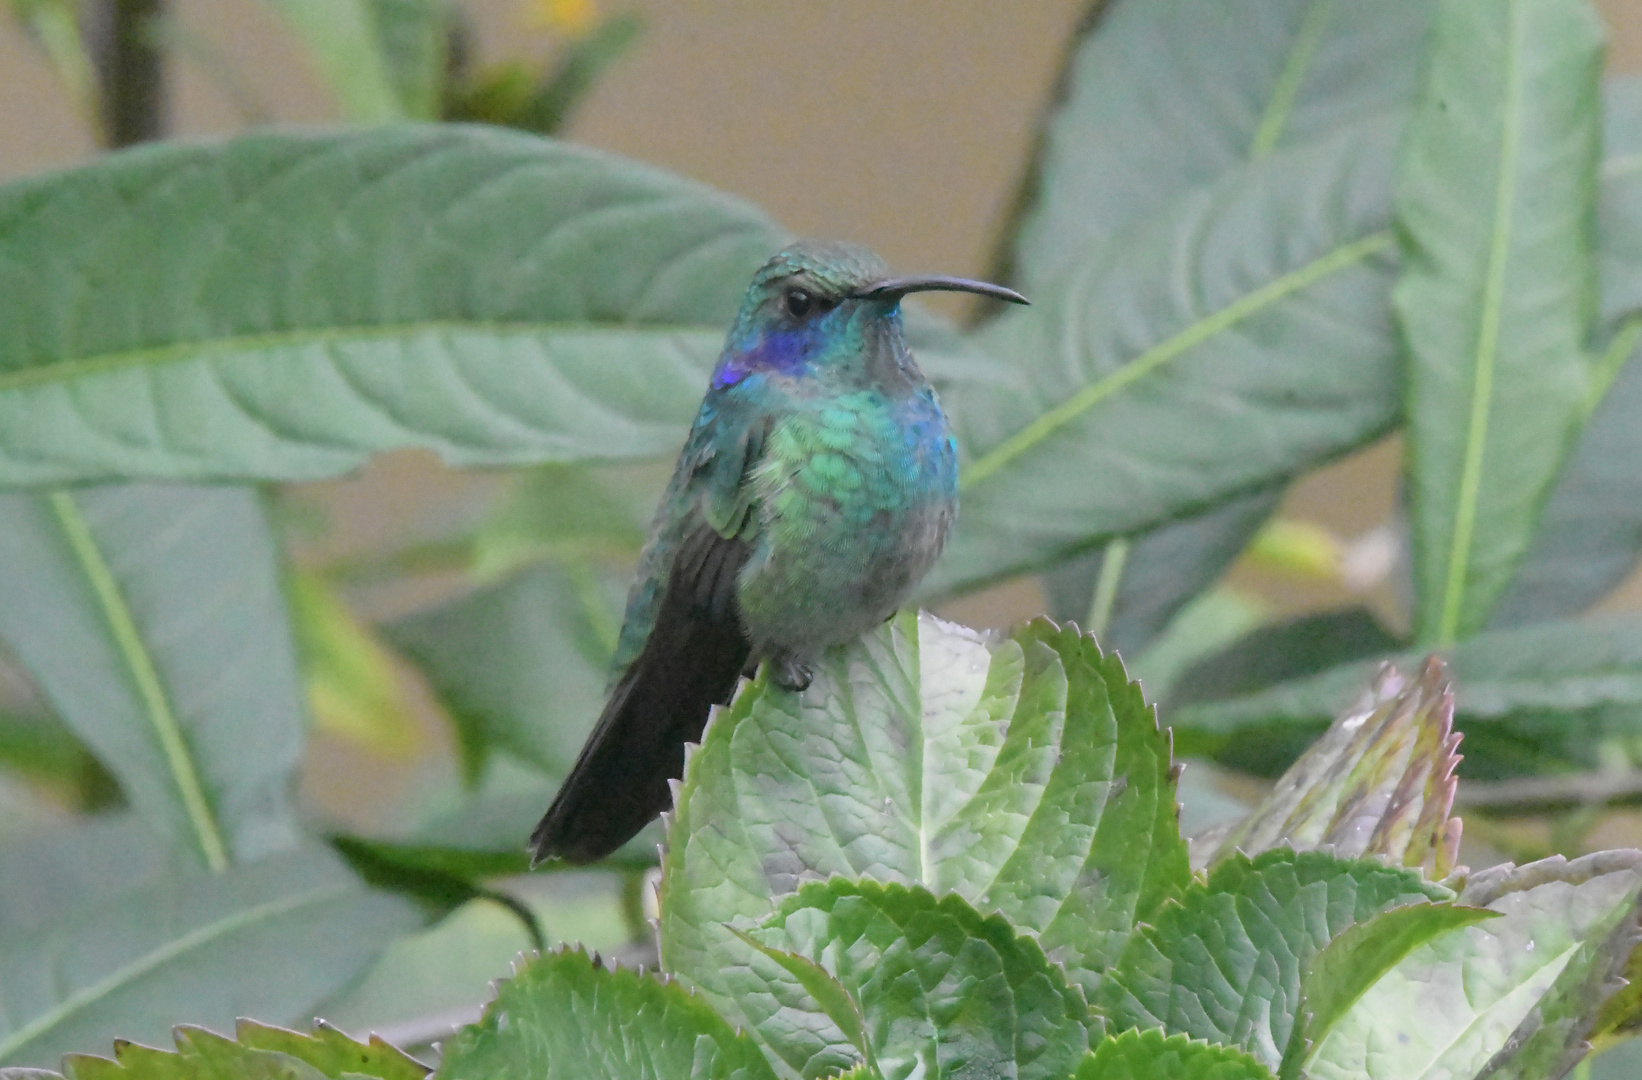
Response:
column 572, row 17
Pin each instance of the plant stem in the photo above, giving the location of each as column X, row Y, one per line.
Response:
column 130, row 69
column 1106, row 586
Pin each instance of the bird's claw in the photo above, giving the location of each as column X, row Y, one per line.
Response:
column 791, row 675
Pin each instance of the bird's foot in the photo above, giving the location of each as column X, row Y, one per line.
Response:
column 790, row 674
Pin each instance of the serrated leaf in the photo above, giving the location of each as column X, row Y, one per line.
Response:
column 944, row 991
column 1225, row 84
column 1380, row 782
column 520, row 663
column 257, row 1050
column 829, row 995
column 152, row 621
column 175, row 949
column 562, row 1016
column 1356, row 959
column 311, row 298
column 1529, row 982
column 1496, row 204
column 1184, row 372
column 1225, row 963
column 1527, row 699
column 1152, row 1055
column 1025, row 774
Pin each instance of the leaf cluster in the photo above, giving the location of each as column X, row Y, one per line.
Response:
column 1256, row 241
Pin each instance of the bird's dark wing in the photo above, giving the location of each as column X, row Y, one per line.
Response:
column 689, row 661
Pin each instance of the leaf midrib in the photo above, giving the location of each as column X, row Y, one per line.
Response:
column 1281, row 104
column 56, row 371
column 122, row 626
column 1487, row 351
column 1052, row 420
column 164, row 954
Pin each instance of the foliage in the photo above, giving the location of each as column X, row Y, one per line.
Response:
column 1276, row 963
column 1255, row 241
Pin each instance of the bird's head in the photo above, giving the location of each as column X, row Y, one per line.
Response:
column 826, row 304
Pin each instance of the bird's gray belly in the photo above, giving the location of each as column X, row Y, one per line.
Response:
column 844, row 579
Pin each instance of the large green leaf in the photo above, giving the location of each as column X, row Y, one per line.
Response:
column 1379, row 783
column 1025, row 774
column 308, row 299
column 1230, row 86
column 1225, row 962
column 520, row 664
column 1355, row 960
column 257, row 1050
column 943, row 992
column 1524, row 987
column 1590, row 533
column 1496, row 206
column 1161, row 96
column 52, row 871
column 1186, row 371
column 1152, row 1055
column 562, row 1017
column 177, row 949
column 1529, row 699
column 151, row 620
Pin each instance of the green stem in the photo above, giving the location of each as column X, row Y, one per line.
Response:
column 146, row 677
column 1196, row 334
column 1106, row 586
column 1613, row 358
column 632, row 904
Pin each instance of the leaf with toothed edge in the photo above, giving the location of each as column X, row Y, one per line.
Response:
column 1225, row 962
column 1351, row 963
column 1379, row 782
column 1154, row 1055
column 563, row 1016
column 943, row 991
column 1508, row 998
column 256, row 1051
column 1024, row 773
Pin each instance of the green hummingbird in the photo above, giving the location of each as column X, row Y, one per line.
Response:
column 815, row 489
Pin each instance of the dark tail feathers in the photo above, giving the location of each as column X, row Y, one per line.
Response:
column 690, row 662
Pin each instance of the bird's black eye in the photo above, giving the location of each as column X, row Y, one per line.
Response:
column 799, row 303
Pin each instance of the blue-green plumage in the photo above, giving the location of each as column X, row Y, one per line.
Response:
column 815, row 489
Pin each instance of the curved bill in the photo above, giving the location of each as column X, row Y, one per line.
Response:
column 896, row 288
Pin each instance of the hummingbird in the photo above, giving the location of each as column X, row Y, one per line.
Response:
column 816, row 487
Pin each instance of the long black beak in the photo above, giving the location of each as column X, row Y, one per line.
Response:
column 895, row 288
